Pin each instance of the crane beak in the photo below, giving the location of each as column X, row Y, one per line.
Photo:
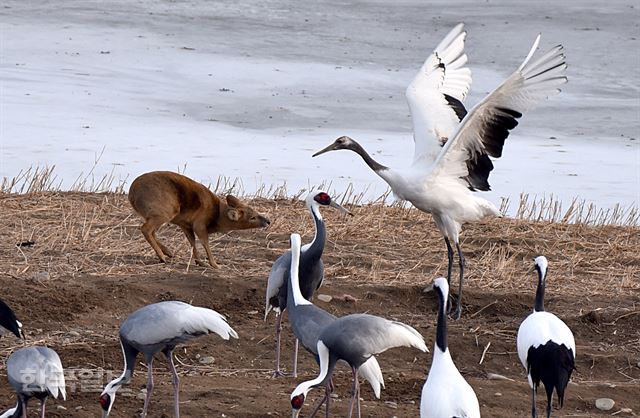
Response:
column 342, row 209
column 327, row 149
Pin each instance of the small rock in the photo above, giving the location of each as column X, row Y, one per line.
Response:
column 206, row 360
column 61, row 408
column 391, row 405
column 626, row 411
column 79, row 408
column 252, row 313
column 325, row 298
column 141, row 395
column 498, row 394
column 73, row 333
column 604, row 404
column 495, row 376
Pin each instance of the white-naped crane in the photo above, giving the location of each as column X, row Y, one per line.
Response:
column 451, row 159
column 34, row 372
column 546, row 347
column 311, row 270
column 156, row 328
column 307, row 323
column 446, row 394
column 9, row 322
column 354, row 339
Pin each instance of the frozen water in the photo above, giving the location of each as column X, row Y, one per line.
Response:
column 251, row 89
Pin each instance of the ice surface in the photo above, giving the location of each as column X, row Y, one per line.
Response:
column 251, row 89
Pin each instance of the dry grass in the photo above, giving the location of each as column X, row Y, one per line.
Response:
column 97, row 233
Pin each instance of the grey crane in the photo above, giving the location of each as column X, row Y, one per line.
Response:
column 308, row 321
column 34, row 372
column 452, row 147
column 354, row 339
column 311, row 270
column 9, row 322
column 156, row 328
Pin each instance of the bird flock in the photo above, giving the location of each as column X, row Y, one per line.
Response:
column 450, row 164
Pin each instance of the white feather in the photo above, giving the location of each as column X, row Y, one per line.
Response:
column 371, row 372
column 538, row 329
column 433, row 119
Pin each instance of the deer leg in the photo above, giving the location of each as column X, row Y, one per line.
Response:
column 149, row 229
column 203, row 236
column 188, row 232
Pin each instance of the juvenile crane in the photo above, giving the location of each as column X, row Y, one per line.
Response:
column 546, row 347
column 446, row 394
column 156, row 328
column 308, row 321
column 311, row 270
column 34, row 372
column 451, row 159
column 354, row 339
column 9, row 322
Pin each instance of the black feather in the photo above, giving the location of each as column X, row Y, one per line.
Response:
column 551, row 364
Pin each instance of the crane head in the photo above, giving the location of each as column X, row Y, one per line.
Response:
column 322, row 198
column 296, row 404
column 344, row 142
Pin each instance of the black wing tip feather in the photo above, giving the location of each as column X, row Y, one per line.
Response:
column 457, row 106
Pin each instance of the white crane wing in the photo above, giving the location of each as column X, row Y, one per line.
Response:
column 485, row 128
column 435, row 96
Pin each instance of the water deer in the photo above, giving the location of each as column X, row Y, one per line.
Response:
column 164, row 196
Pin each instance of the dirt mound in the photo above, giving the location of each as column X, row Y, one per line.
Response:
column 89, row 267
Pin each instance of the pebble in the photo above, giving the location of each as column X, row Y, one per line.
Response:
column 61, row 408
column 73, row 333
column 495, row 376
column 325, row 298
column 206, row 360
column 79, row 408
column 604, row 404
column 391, row 405
column 252, row 313
column 498, row 394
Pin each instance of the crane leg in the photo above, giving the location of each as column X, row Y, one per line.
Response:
column 149, row 387
column 42, row 407
column 295, row 358
column 278, row 372
column 176, row 383
column 24, row 400
column 533, row 403
column 449, row 268
column 355, row 391
column 328, row 389
column 458, row 311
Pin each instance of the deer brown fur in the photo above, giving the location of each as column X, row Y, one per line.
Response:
column 163, row 196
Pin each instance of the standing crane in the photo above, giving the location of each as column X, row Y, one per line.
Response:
column 311, row 270
column 446, row 394
column 308, row 321
column 34, row 372
column 546, row 347
column 452, row 147
column 156, row 328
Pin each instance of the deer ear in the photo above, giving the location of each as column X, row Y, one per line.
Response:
column 233, row 215
column 233, row 201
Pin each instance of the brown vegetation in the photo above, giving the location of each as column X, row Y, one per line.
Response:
column 83, row 266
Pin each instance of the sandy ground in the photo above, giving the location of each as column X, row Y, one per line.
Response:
column 250, row 89
column 90, row 267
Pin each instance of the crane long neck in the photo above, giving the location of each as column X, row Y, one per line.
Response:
column 441, row 330
column 129, row 355
column 327, row 364
column 294, row 277
column 539, row 307
column 317, row 245
column 15, row 412
column 373, row 164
